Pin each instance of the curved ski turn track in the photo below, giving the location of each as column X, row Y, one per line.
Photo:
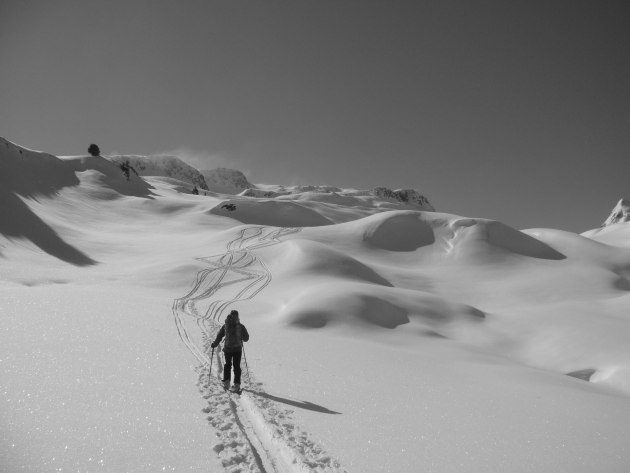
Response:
column 256, row 434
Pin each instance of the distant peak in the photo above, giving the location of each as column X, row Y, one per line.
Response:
column 619, row 214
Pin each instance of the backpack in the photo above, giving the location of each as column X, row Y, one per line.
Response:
column 232, row 332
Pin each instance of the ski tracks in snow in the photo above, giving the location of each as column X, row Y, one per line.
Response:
column 255, row 433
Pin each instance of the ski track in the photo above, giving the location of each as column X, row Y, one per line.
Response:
column 255, row 434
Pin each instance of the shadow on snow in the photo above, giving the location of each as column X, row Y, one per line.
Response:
column 309, row 406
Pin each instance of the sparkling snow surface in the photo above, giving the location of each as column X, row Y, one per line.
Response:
column 383, row 339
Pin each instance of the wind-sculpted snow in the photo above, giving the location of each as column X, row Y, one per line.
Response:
column 254, row 433
column 426, row 261
column 387, row 339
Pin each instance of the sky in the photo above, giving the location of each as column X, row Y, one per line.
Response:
column 517, row 111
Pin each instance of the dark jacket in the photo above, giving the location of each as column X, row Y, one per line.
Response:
column 234, row 349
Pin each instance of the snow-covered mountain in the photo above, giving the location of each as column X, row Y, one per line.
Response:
column 620, row 213
column 384, row 336
column 234, row 182
column 231, row 181
column 163, row 165
column 226, row 181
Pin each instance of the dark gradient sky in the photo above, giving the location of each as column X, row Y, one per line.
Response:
column 512, row 110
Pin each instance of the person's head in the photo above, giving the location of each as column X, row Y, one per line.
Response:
column 232, row 317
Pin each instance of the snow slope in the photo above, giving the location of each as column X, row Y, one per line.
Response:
column 383, row 337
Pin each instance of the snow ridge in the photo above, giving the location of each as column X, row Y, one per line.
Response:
column 351, row 197
column 163, row 165
column 254, row 432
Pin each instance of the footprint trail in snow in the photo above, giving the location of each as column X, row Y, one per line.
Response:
column 255, row 433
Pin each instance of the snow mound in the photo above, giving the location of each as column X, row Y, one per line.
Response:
column 226, row 181
column 298, row 258
column 399, row 232
column 162, row 165
column 485, row 236
column 347, row 304
column 477, row 240
column 357, row 305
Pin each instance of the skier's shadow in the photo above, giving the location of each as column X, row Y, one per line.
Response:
column 309, row 406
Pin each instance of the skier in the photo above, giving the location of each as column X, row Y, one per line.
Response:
column 235, row 334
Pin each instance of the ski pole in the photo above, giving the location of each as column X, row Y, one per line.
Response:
column 211, row 357
column 245, row 358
